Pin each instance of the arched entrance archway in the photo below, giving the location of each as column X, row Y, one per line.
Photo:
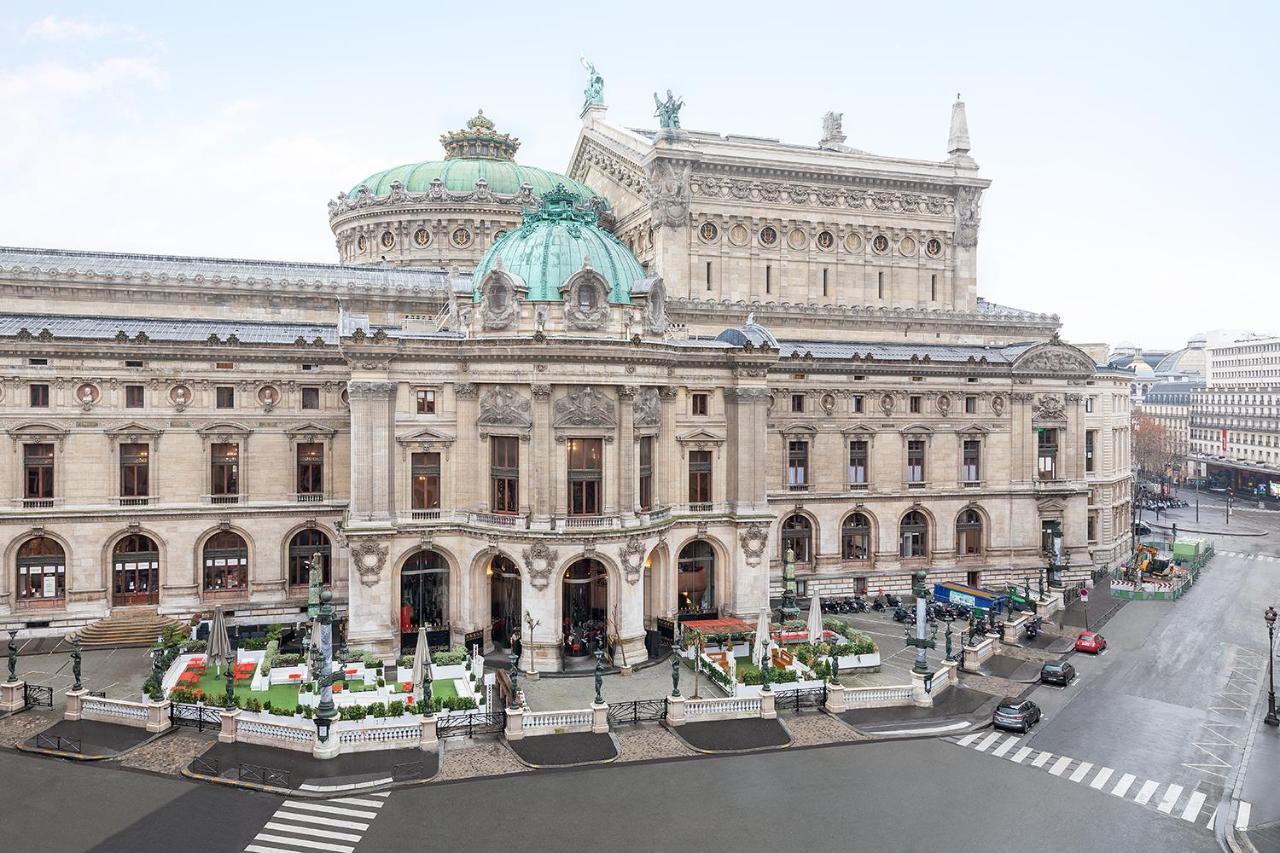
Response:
column 135, row 571
column 695, row 578
column 504, row 600
column 424, row 600
column 585, row 609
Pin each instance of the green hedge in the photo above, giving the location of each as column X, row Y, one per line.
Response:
column 268, row 659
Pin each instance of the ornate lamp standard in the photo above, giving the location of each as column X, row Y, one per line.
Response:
column 920, row 641
column 1271, row 719
column 325, row 676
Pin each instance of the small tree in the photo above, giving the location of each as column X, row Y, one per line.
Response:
column 1151, row 445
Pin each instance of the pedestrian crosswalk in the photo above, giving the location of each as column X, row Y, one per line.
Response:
column 330, row 826
column 1197, row 805
column 1242, row 555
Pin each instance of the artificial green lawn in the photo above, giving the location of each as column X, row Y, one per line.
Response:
column 444, row 688
column 280, row 695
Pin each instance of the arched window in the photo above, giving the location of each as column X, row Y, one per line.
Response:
column 424, row 598
column 914, row 535
column 696, row 573
column 304, row 544
column 42, row 570
column 855, row 537
column 969, row 533
column 797, row 534
column 226, row 562
column 135, row 571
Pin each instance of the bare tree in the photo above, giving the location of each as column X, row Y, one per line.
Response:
column 1152, row 451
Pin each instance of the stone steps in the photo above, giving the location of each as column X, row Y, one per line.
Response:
column 122, row 630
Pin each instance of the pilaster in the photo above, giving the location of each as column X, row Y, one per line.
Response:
column 372, row 451
column 626, row 479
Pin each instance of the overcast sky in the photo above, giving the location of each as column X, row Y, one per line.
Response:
column 1132, row 146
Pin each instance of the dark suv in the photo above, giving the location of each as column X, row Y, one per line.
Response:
column 1016, row 714
column 1057, row 672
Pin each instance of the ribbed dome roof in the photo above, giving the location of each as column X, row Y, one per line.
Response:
column 477, row 151
column 554, row 242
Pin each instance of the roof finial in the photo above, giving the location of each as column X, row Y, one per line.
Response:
column 958, row 139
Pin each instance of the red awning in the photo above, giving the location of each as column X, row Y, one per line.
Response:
column 714, row 627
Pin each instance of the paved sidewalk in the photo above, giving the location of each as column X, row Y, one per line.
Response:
column 746, row 735
column 86, row 739
column 290, row 769
column 565, row 750
column 959, row 704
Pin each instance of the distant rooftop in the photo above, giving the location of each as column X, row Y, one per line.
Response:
column 185, row 331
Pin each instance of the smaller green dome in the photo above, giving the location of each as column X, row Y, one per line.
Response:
column 553, row 244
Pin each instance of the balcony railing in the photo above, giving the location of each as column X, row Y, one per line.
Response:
column 590, row 522
column 309, row 497
column 499, row 519
column 701, row 506
column 226, row 499
column 135, row 500
column 39, row 503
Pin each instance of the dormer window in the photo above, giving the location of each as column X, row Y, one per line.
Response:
column 498, row 298
column 587, row 297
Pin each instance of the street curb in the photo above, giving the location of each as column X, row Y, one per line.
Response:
column 1182, row 529
column 76, row 756
column 298, row 793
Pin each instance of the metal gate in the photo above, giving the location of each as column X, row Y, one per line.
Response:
column 795, row 700
column 198, row 717
column 471, row 723
column 37, row 695
column 639, row 711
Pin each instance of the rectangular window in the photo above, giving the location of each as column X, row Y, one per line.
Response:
column 1093, row 527
column 915, row 460
column 880, row 285
column 797, row 402
column 132, row 363
column 224, row 470
column 972, row 454
column 858, row 469
column 37, row 470
column 134, row 396
column 797, row 465
column 698, row 404
column 768, row 279
column 1088, row 405
column 426, row 401
column 38, row 362
column 1090, row 439
column 310, row 398
column 224, row 365
column 135, row 470
column 856, row 405
column 933, row 287
column 225, row 397
column 424, row 481
column 971, row 405
column 1047, row 454
column 586, row 458
column 311, row 468
column 39, row 396
column 504, row 474
column 824, row 282
column 646, row 473
column 913, row 404
column 699, row 476
column 708, row 275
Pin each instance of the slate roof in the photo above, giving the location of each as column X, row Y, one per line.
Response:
column 880, row 351
column 106, row 328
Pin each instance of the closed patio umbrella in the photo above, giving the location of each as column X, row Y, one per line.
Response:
column 421, row 656
column 219, row 643
column 761, row 646
column 815, row 619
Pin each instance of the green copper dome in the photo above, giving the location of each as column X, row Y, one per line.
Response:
column 552, row 245
column 475, row 152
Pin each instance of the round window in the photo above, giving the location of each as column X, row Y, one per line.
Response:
column 933, row 247
column 709, row 232
column 853, row 242
column 768, row 236
column 422, row 237
column 388, row 239
column 738, row 235
column 461, row 237
column 880, row 243
column 796, row 239
column 907, row 246
column 825, row 240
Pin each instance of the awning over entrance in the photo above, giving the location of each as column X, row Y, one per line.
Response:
column 720, row 627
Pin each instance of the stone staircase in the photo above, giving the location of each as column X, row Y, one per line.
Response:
column 122, row 629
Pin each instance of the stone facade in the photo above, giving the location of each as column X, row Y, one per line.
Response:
column 454, row 442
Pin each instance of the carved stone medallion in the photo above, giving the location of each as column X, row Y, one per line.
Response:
column 538, row 562
column 631, row 555
column 369, row 558
column 753, row 540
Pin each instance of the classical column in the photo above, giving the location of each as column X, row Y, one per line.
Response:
column 746, row 417
column 372, row 451
column 667, row 465
column 541, row 444
column 467, row 464
column 626, row 479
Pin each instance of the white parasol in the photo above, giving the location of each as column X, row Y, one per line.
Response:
column 761, row 646
column 815, row 619
column 421, row 657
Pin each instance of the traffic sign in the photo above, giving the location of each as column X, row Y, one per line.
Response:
column 1084, row 594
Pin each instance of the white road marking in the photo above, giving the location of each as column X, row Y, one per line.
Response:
column 1000, row 750
column 302, row 842
column 1213, row 815
column 987, row 741
column 320, row 807
column 933, row 730
column 1081, row 771
column 258, row 848
column 1021, row 754
column 1242, row 815
column 1192, row 811
column 310, row 830
column 356, row 801
column 1041, row 759
column 1101, row 779
column 322, row 821
column 1059, row 766
column 1171, row 795
column 1122, row 787
column 968, row 739
column 1144, row 796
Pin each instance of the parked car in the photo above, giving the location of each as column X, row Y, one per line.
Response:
column 1091, row 642
column 1057, row 672
column 1141, row 529
column 1016, row 714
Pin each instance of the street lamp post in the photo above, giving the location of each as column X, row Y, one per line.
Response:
column 325, row 676
column 920, row 641
column 1271, row 719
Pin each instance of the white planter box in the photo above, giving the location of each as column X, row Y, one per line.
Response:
column 848, row 662
column 281, row 674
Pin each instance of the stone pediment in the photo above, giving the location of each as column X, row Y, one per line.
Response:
column 699, row 435
column 973, row 429
column 917, row 428
column 37, row 430
column 859, row 430
column 132, row 431
column 426, row 437
column 310, row 429
column 224, row 428
column 799, row 429
column 1055, row 359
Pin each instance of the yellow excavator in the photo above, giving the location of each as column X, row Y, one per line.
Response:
column 1148, row 561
